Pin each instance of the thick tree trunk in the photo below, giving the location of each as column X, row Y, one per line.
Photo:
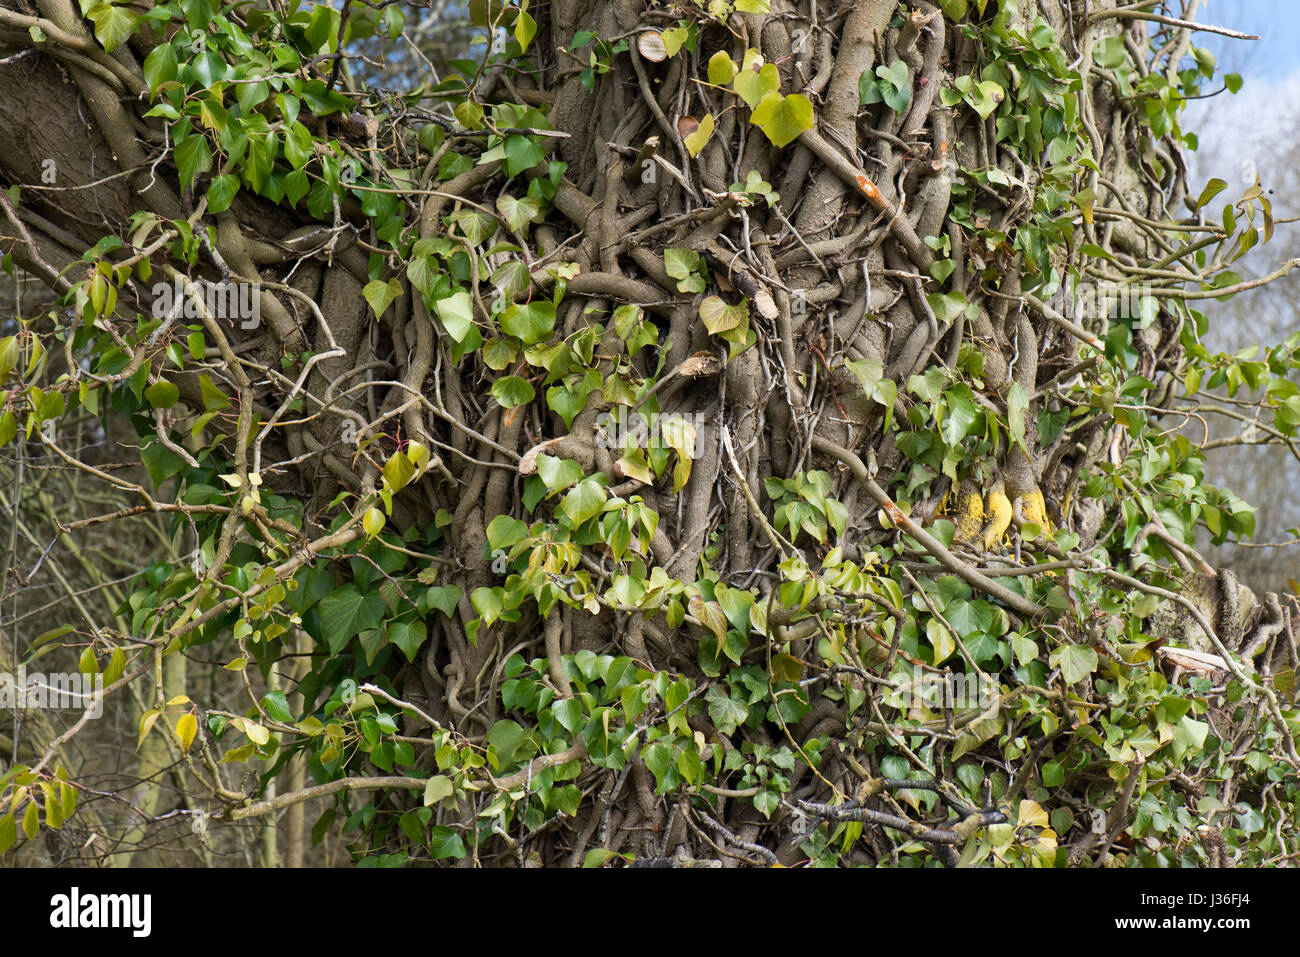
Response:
column 894, row 295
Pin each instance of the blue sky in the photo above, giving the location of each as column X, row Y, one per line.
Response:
column 1274, row 55
column 1258, row 126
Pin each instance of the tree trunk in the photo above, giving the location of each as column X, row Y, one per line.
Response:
column 823, row 244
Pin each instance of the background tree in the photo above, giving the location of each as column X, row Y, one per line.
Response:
column 746, row 432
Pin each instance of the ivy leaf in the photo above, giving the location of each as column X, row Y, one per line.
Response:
column 531, row 322
column 276, row 704
column 221, row 192
column 113, row 25
column 511, row 391
column 192, row 158
column 347, row 613
column 719, row 317
column 1075, row 661
column 961, row 416
column 162, row 395
column 437, row 788
column 398, row 471
column 445, row 598
column 408, row 636
column 753, row 87
column 1212, row 189
column 783, row 118
column 1017, row 406
column 558, row 474
column 895, row 74
column 504, row 531
column 444, row 842
column 985, row 97
column 488, row 602
column 8, row 355
column 512, row 279
column 868, row 371
column 295, row 186
column 970, row 618
column 160, row 66
column 699, row 138
column 568, row 712
column 456, row 314
column 722, row 69
column 585, row 500
column 1110, row 53
column 674, row 38
column 726, row 712
column 518, row 213
column 521, row 154
column 685, row 266
column 940, row 640
column 381, row 294
column 525, row 30
column 373, row 522
column 186, row 728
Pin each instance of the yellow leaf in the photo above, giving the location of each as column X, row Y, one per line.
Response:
column 700, row 138
column 373, row 522
column 146, row 724
column 1032, row 814
column 186, row 728
column 418, row 454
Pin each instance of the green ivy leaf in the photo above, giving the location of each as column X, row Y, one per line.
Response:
column 558, row 474
column 408, row 636
column 511, row 391
column 221, row 192
column 437, row 788
column 525, row 30
column 685, row 265
column 531, row 322
column 160, row 66
column 1075, row 661
column 398, row 471
column 753, row 86
column 518, row 213
column 381, row 294
column 346, row 613
column 444, row 842
column 162, row 395
column 113, row 25
column 1017, row 406
column 585, row 500
column 192, row 158
column 783, row 118
column 456, row 313
column 722, row 69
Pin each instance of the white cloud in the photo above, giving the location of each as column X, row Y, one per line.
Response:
column 1256, row 126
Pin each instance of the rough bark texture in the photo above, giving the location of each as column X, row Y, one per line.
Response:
column 837, row 271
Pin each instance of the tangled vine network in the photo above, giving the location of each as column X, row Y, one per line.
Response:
column 666, row 433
